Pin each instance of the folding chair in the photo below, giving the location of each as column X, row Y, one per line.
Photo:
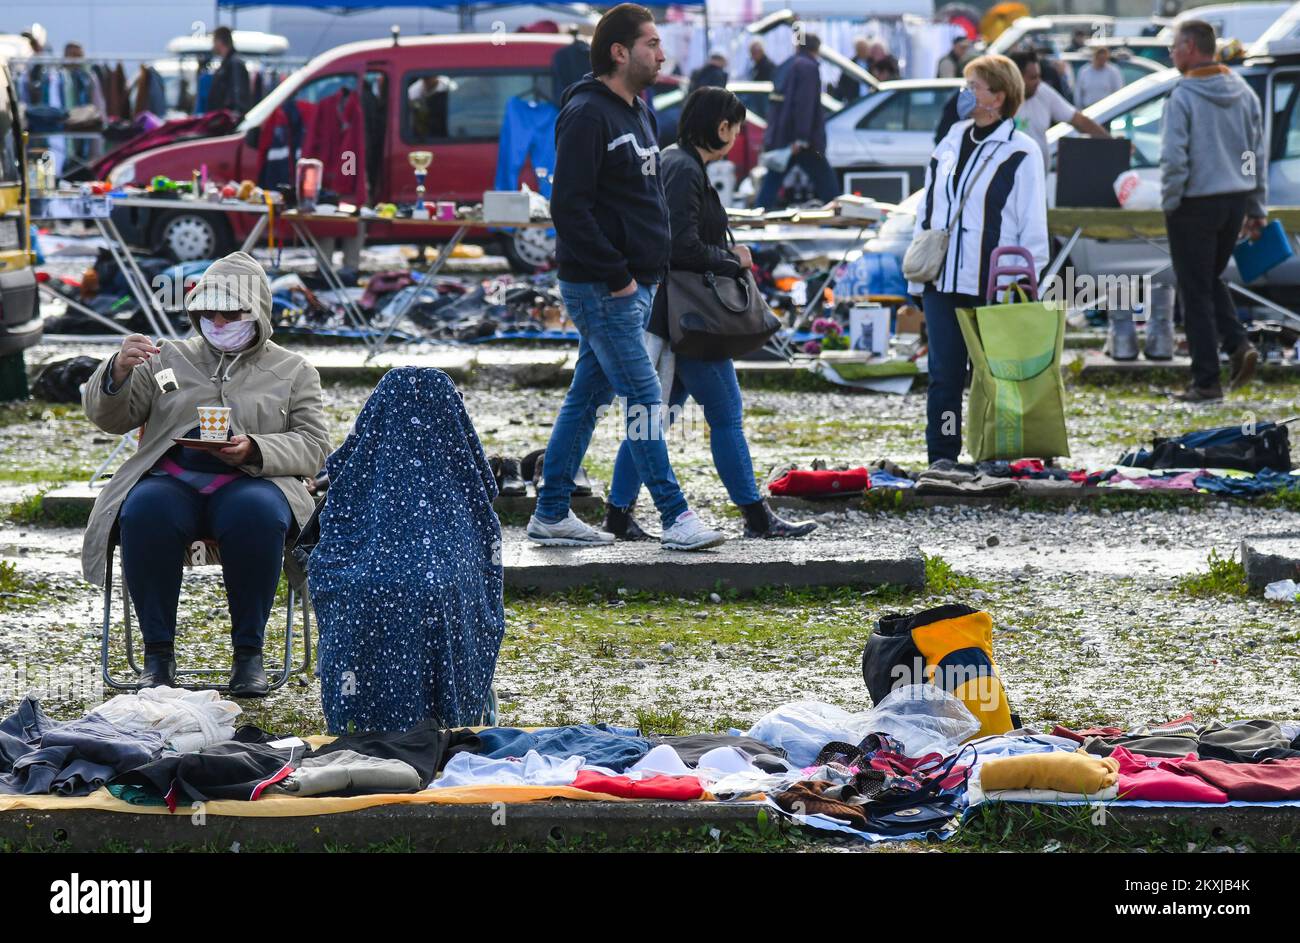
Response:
column 205, row 553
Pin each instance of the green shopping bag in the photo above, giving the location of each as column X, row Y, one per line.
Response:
column 1017, row 396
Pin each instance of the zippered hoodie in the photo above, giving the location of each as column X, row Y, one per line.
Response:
column 607, row 198
column 1213, row 140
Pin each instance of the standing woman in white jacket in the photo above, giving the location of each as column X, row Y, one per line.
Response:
column 984, row 185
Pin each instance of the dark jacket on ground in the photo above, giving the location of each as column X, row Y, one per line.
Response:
column 229, row 87
column 607, row 197
column 800, row 115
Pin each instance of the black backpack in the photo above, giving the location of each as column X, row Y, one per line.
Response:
column 61, row 381
column 1266, row 445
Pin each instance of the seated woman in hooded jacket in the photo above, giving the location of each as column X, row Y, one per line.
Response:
column 711, row 121
column 248, row 494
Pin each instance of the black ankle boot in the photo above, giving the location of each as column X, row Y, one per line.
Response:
column 247, row 676
column 621, row 523
column 159, row 667
column 511, row 480
column 761, row 521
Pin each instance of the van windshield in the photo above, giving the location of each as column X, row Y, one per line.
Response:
column 279, row 95
column 10, row 141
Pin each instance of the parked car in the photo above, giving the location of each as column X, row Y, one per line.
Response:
column 447, row 94
column 880, row 144
column 1245, row 22
column 1055, row 31
column 20, row 322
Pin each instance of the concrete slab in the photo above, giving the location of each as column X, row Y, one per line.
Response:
column 425, row 827
column 350, row 364
column 742, row 565
column 1050, row 494
column 73, row 502
column 1269, row 558
column 1093, row 364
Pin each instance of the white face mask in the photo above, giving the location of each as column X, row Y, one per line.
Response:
column 230, row 337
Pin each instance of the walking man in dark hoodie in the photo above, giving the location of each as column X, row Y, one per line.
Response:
column 229, row 87
column 1214, row 175
column 612, row 245
column 799, row 124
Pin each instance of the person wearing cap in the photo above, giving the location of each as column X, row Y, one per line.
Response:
column 713, row 72
column 248, row 495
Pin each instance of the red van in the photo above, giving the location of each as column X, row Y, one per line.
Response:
column 362, row 108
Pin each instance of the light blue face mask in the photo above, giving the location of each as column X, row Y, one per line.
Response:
column 966, row 103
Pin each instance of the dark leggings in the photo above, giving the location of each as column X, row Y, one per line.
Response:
column 249, row 518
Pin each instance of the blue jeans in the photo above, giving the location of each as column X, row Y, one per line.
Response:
column 815, row 165
column 161, row 516
column 611, row 362
column 947, row 372
column 713, row 384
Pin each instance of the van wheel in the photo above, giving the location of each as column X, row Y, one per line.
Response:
column 189, row 237
column 528, row 250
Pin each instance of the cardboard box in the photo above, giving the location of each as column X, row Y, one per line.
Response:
column 909, row 320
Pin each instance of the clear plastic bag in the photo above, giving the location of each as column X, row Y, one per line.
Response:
column 924, row 718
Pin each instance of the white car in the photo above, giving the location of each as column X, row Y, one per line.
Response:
column 879, row 145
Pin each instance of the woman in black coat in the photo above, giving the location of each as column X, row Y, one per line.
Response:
column 710, row 122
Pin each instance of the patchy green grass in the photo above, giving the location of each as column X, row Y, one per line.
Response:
column 942, row 580
column 1226, row 576
column 33, row 511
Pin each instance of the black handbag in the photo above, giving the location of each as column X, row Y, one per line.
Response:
column 716, row 317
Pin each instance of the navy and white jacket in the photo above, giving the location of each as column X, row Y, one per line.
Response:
column 1007, row 205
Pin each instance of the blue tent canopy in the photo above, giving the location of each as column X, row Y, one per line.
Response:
column 344, row 6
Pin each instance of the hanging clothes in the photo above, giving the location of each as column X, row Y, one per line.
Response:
column 407, row 579
column 527, row 136
column 336, row 128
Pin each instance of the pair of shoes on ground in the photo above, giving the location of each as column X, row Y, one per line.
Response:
column 1241, row 364
column 512, row 475
column 760, row 521
column 687, row 533
column 247, row 674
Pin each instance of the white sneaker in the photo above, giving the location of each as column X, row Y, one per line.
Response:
column 689, row 533
column 569, row 532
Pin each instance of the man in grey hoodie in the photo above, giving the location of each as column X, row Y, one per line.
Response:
column 1214, row 170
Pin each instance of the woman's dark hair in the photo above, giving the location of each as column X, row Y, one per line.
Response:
column 620, row 25
column 705, row 109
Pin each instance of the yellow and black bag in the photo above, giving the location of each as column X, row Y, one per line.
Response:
column 949, row 646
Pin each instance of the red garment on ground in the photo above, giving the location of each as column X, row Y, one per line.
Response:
column 1081, row 736
column 821, row 482
column 1162, row 780
column 680, row 788
column 1266, row 781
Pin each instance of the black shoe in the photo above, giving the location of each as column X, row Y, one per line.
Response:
column 581, row 483
column 510, row 480
column 159, row 671
column 247, row 676
column 530, row 466
column 762, row 521
column 1198, row 394
column 621, row 523
column 1242, row 362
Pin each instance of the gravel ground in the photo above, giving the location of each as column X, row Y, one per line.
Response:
column 1091, row 622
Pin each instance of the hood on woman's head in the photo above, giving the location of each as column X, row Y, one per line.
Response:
column 236, row 284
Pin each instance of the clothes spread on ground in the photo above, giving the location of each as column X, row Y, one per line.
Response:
column 694, row 746
column 1266, row 781
column 39, row 755
column 347, row 773
column 676, row 788
column 424, row 747
column 186, row 720
column 229, row 770
column 1076, row 773
column 599, row 745
column 1247, row 742
column 825, row 482
column 531, row 769
column 406, row 578
column 1161, row 779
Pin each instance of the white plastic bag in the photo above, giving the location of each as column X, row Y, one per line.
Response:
column 1137, row 192
column 1282, row 591
column 924, row 718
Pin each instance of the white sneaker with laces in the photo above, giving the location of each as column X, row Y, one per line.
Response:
column 690, row 533
column 569, row 532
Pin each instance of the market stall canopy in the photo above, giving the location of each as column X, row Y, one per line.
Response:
column 344, row 6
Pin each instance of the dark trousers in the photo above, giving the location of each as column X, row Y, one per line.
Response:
column 249, row 518
column 947, row 360
column 1203, row 231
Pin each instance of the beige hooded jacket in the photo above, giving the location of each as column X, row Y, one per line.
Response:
column 274, row 397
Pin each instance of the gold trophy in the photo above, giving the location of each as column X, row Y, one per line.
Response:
column 420, row 161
